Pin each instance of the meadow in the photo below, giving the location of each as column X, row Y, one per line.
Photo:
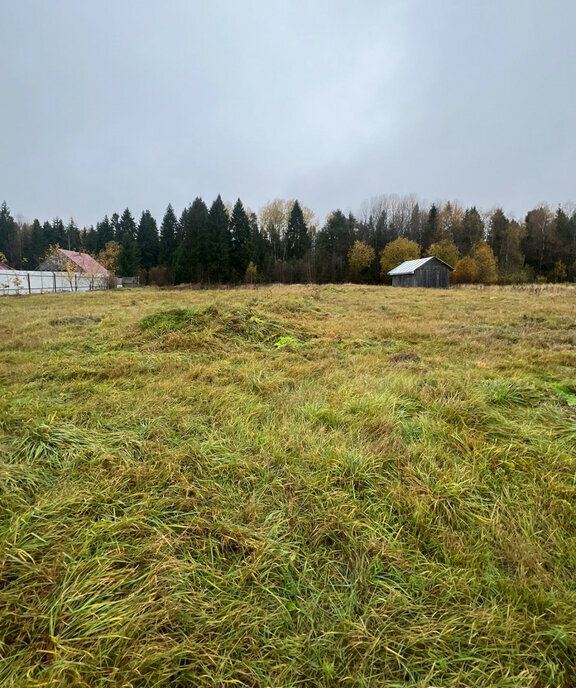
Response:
column 289, row 486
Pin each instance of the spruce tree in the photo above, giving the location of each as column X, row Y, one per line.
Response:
column 7, row 232
column 240, row 234
column 129, row 258
column 72, row 236
column 297, row 240
column 116, row 228
column 168, row 237
column 470, row 231
column 188, row 266
column 126, row 225
column 105, row 232
column 257, row 243
column 89, row 240
column 58, row 233
column 333, row 244
column 431, row 227
column 147, row 239
column 38, row 245
column 47, row 234
column 219, row 242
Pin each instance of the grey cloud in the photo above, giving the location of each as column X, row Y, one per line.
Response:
column 142, row 103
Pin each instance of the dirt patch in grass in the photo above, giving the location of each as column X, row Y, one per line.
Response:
column 87, row 320
column 405, row 357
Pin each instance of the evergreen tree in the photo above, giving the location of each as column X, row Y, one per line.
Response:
column 126, row 225
column 564, row 228
column 297, row 240
column 194, row 220
column 147, row 238
column 333, row 243
column 498, row 227
column 129, row 258
column 36, row 245
column 57, row 233
column 115, row 222
column 47, row 234
column 7, row 233
column 470, row 231
column 168, row 237
column 89, row 240
column 257, row 243
column 72, row 239
column 430, row 228
column 240, row 234
column 105, row 232
column 540, row 243
column 219, row 233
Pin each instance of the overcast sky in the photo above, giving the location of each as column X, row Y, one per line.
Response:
column 114, row 103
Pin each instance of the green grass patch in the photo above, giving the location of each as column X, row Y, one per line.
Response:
column 288, row 486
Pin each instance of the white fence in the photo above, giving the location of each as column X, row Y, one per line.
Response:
column 44, row 282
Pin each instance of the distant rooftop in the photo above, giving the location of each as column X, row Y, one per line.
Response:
column 85, row 262
column 3, row 266
column 409, row 267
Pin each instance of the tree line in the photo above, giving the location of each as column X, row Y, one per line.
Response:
column 283, row 243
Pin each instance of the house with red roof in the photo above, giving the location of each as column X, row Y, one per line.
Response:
column 60, row 260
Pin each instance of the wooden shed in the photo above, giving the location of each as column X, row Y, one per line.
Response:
column 424, row 272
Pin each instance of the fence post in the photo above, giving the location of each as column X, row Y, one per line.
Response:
column 29, row 288
column 54, row 282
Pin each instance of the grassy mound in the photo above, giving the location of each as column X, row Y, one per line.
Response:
column 386, row 500
column 239, row 326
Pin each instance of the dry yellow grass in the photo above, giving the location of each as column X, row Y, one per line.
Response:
column 288, row 486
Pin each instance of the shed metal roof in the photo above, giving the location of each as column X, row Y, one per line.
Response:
column 409, row 267
column 85, row 262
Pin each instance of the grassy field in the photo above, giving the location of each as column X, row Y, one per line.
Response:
column 307, row 486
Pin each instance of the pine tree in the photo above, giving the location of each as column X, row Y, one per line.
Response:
column 147, row 239
column 240, row 232
column 297, row 240
column 219, row 248
column 168, row 237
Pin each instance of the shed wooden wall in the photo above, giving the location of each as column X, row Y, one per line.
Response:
column 433, row 274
